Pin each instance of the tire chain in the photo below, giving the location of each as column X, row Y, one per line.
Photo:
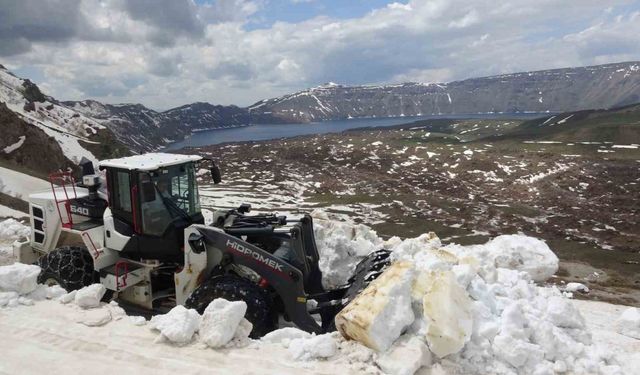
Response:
column 259, row 305
column 71, row 266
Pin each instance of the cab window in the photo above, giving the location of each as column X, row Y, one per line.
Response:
column 122, row 192
column 168, row 194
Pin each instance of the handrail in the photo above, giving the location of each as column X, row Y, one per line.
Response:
column 124, row 265
column 95, row 249
column 62, row 178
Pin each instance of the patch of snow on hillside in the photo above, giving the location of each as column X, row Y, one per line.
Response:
column 64, row 124
column 529, row 179
column 11, row 148
column 564, row 120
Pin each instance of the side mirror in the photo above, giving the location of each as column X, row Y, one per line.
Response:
column 148, row 192
column 216, row 176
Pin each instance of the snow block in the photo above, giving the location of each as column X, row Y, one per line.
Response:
column 7, row 298
column 20, row 278
column 178, row 325
column 305, row 349
column 220, row 321
column 68, row 298
column 562, row 313
column 379, row 315
column 12, row 229
column 89, row 297
column 341, row 246
column 523, row 253
column 405, row 357
column 629, row 323
column 284, row 336
column 241, row 336
column 447, row 311
column 576, row 287
column 94, row 317
column 55, row 292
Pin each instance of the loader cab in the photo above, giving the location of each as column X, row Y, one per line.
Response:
column 152, row 199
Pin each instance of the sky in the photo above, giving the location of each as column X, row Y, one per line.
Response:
column 166, row 53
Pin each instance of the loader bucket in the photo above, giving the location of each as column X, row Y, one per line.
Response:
column 333, row 301
column 366, row 271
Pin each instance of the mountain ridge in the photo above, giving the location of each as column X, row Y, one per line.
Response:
column 553, row 90
column 143, row 129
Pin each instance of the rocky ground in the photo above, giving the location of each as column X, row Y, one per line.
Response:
column 581, row 197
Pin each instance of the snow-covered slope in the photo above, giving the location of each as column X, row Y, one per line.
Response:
column 20, row 185
column 143, row 129
column 76, row 133
column 133, row 124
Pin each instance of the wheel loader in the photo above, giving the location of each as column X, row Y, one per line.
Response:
column 136, row 226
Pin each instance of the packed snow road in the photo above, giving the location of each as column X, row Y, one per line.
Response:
column 46, row 338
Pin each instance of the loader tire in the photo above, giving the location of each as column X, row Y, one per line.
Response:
column 71, row 267
column 260, row 310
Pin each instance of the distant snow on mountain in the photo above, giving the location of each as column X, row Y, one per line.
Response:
column 558, row 90
column 144, row 129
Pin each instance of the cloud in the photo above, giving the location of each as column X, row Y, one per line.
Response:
column 229, row 10
column 468, row 20
column 173, row 15
column 26, row 21
column 166, row 53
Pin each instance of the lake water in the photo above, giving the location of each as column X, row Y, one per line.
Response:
column 263, row 132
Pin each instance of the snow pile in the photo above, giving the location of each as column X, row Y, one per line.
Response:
column 11, row 230
column 478, row 310
column 303, row 346
column 19, row 286
column 341, row 246
column 406, row 357
column 314, row 347
column 629, row 323
column 89, row 297
column 576, row 287
column 68, row 297
column 222, row 324
column 514, row 252
column 94, row 317
column 178, row 325
column 19, row 278
column 284, row 336
column 223, row 321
